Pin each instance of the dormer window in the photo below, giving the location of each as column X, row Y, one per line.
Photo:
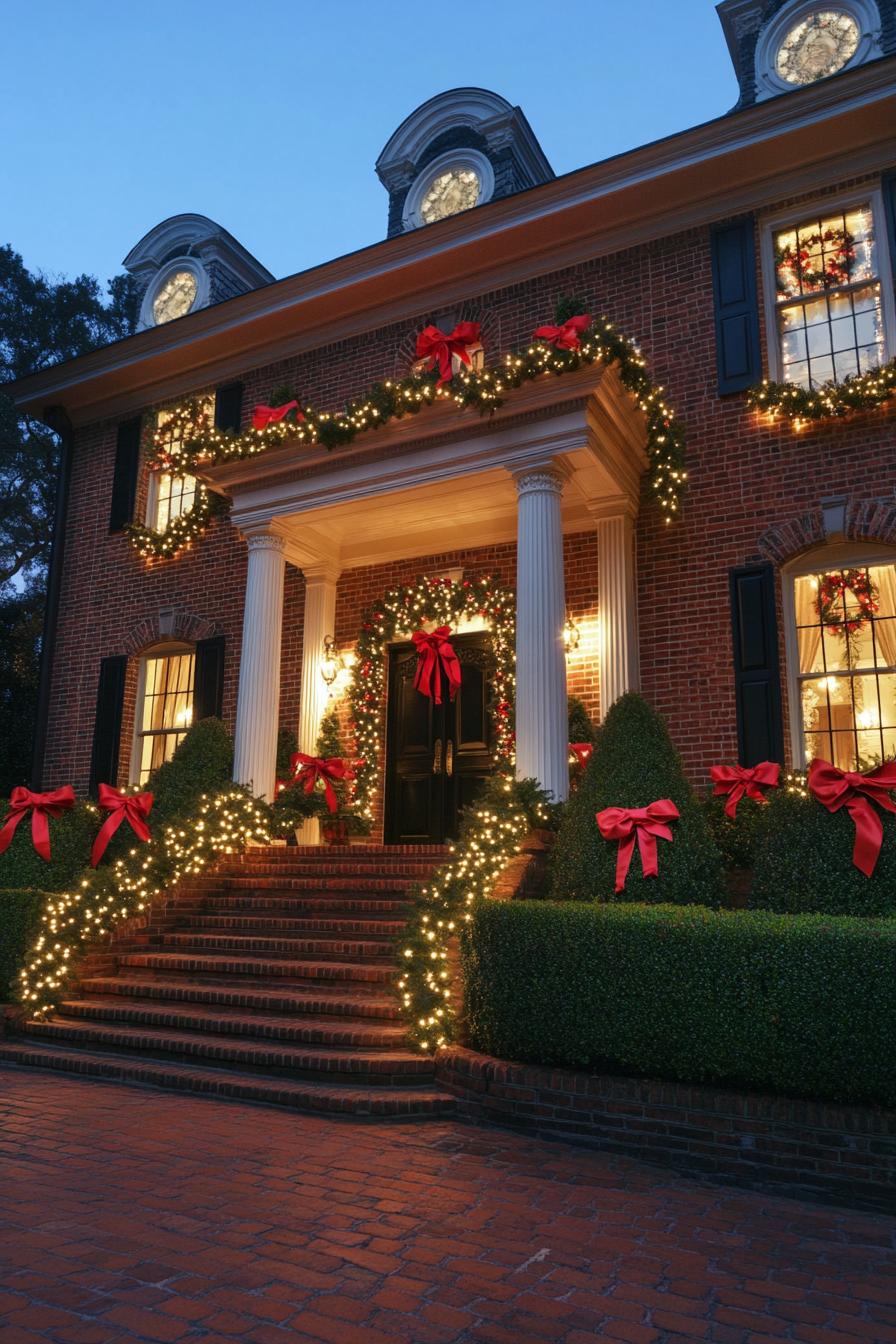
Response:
column 817, row 46
column 178, row 288
column 452, row 183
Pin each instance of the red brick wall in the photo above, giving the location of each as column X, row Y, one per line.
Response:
column 744, row 477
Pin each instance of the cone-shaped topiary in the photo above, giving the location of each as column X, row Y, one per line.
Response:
column 634, row 764
column 202, row 763
column 580, row 727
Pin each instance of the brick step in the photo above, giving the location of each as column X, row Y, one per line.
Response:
column 319, row 883
column 310, row 867
column 393, row 1067
column 319, row 949
column 354, row 1033
column 335, row 904
column 398, row 1103
column 237, row 992
column 261, row 968
column 386, row 855
column 222, row 921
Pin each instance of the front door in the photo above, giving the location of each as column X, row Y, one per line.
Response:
column 437, row 756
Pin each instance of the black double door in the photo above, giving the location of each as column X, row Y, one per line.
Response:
column 438, row 757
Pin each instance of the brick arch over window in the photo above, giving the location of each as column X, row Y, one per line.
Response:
column 447, row 319
column 863, row 520
column 167, row 625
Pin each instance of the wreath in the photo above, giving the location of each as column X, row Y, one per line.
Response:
column 837, row 257
column 832, row 589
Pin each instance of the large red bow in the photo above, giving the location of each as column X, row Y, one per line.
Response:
column 856, row 792
column 44, row 805
column 582, row 752
column 625, row 824
column 566, row 336
column 330, row 769
column 263, row 416
column 134, row 808
column 434, row 345
column 737, row 780
column 433, row 652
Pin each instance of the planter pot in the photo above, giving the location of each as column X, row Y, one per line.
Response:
column 334, row 831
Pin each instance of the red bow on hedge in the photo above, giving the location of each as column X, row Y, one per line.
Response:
column 566, row 336
column 434, row 345
column 646, row 824
column 263, row 416
column 133, row 808
column 433, row 652
column 737, row 780
column 330, row 769
column 42, row 807
column 856, row 792
column 582, row 752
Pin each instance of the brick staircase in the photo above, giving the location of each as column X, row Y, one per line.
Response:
column 267, row 980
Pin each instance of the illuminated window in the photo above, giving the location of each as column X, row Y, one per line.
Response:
column 845, row 625
column 171, row 493
column 827, row 295
column 164, row 709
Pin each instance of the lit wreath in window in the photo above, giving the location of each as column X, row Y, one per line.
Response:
column 832, row 589
column 840, row 252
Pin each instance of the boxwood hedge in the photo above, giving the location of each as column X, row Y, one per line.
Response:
column 19, row 925
column 802, row 1005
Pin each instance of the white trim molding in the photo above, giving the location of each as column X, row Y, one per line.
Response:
column 460, row 160
column 163, row 275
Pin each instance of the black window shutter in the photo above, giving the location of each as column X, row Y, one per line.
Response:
column 738, row 363
column 229, row 407
column 208, row 679
column 888, row 186
column 107, row 725
column 125, row 476
column 757, row 675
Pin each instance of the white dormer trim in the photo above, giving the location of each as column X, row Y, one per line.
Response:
column 203, row 287
column 453, row 158
column 769, row 84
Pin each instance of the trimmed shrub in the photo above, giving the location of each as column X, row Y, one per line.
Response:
column 801, row 1005
column 634, row 764
column 20, row 913
column 739, row 841
column 805, row 863
column 71, row 839
column 202, row 763
column 580, row 727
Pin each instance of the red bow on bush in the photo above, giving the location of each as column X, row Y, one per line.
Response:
column 737, row 780
column 646, row 824
column 434, row 345
column 263, row 416
column 582, row 752
column 330, row 769
column 42, row 807
column 133, row 808
column 856, row 792
column 433, row 652
column 566, row 336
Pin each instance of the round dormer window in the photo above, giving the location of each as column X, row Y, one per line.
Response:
column 178, row 288
column 452, row 183
column 175, row 297
column 807, row 42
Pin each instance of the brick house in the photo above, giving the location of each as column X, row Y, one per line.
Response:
column 759, row 245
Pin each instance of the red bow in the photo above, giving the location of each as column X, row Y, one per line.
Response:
column 582, row 752
column 329, row 769
column 432, row 651
column 847, row 788
column 566, row 336
column 737, row 780
column 434, row 345
column 646, row 823
column 133, row 808
column 269, row 415
column 45, row 805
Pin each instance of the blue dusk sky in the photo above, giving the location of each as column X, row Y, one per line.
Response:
column 269, row 116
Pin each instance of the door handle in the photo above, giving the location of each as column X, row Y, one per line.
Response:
column 449, row 757
column 437, row 757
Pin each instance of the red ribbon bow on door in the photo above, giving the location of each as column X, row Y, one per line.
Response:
column 433, row 652
column 582, row 752
column 134, row 808
column 737, row 780
column 263, row 416
column 330, row 769
column 434, row 345
column 566, row 336
column 856, row 792
column 42, row 807
column 646, row 824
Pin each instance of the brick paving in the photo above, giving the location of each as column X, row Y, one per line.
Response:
column 128, row 1214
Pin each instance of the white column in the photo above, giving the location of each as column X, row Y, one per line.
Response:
column 320, row 611
column 258, row 697
column 617, row 608
column 541, row 714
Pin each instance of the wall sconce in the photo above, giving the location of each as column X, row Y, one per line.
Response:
column 331, row 663
column 571, row 635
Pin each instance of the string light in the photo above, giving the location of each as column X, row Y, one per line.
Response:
column 802, row 405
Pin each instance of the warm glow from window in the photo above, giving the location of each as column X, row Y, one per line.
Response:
column 165, row 711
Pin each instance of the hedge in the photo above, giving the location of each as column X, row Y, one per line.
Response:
column 801, row 1005
column 19, row 925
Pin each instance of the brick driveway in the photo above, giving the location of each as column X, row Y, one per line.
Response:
column 134, row 1215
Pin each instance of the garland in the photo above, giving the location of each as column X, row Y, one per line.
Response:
column 862, row 392
column 833, row 587
column 840, row 247
column 401, row 612
column 164, row 447
column 199, row 443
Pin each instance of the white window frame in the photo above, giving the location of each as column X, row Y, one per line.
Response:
column 839, row 555
column 164, row 273
column 171, row 650
column 871, row 196
column 152, row 498
column 470, row 159
column 769, row 83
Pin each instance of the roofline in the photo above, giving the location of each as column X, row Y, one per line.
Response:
column 436, row 265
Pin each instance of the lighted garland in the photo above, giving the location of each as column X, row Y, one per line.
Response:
column 800, row 405
column 223, row 824
column 400, row 613
column 832, row 590
column 796, row 260
column 199, row 443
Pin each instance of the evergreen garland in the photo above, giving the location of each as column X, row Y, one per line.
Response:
column 800, row 405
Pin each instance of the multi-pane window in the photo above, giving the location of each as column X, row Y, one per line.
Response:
column 165, row 709
column 170, row 496
column 828, row 303
column 846, row 638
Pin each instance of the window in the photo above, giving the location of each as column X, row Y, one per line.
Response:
column 844, row 655
column 828, row 295
column 171, row 493
column 164, row 709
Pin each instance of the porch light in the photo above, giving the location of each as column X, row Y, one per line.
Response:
column 331, row 662
column 571, row 635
